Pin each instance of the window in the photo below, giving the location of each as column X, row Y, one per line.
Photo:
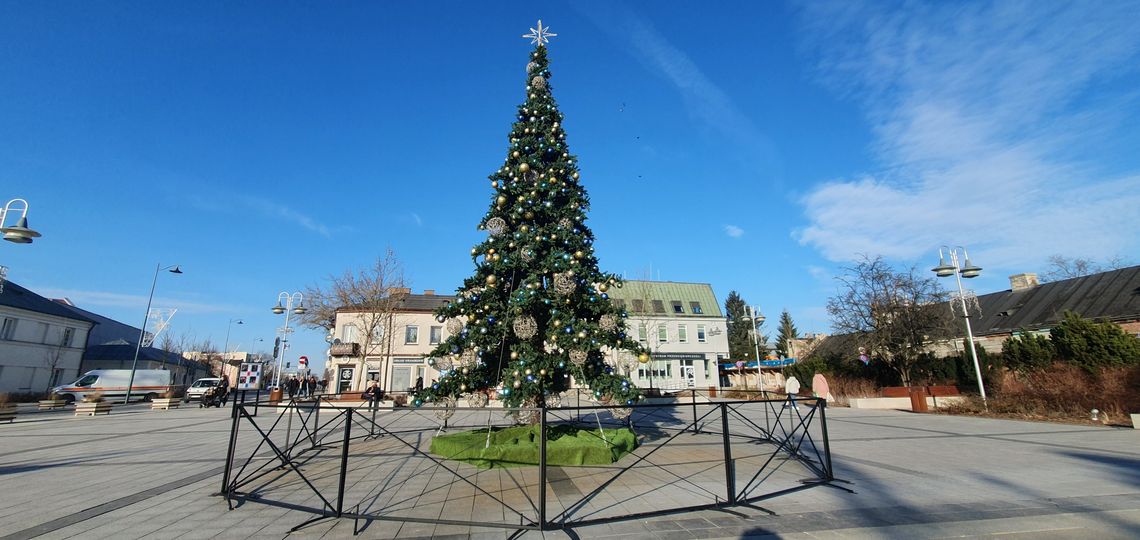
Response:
column 411, row 335
column 662, row 334
column 682, row 334
column 638, row 305
column 619, row 303
column 695, row 307
column 348, row 334
column 658, row 306
column 642, row 333
column 656, row 368
column 436, row 335
column 700, row 333
column 378, row 333
column 9, row 328
column 677, row 307
column 65, row 341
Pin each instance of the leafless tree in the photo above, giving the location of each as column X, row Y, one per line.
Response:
column 368, row 297
column 1061, row 267
column 893, row 314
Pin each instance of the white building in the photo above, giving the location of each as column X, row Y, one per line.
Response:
column 682, row 326
column 41, row 342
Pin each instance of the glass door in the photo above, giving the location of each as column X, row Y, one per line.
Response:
column 344, row 379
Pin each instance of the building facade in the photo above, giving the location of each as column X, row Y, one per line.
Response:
column 682, row 326
column 395, row 354
column 41, row 342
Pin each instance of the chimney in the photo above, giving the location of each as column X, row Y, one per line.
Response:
column 429, row 292
column 1022, row 282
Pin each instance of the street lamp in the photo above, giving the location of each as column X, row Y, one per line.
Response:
column 960, row 271
column 226, row 347
column 287, row 309
column 756, row 318
column 20, row 233
column 142, row 332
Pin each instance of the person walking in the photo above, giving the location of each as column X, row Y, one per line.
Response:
column 372, row 394
column 313, row 385
column 419, row 384
column 291, row 385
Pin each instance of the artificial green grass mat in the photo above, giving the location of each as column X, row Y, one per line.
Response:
column 518, row 446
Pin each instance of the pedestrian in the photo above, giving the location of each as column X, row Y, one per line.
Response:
column 304, row 386
column 372, row 394
column 291, row 386
column 313, row 384
column 224, row 388
column 324, row 385
column 792, row 387
column 419, row 384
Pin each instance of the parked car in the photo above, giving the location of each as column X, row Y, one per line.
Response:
column 112, row 383
column 200, row 387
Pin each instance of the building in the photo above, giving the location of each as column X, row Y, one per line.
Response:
column 41, row 342
column 111, row 345
column 396, row 353
column 682, row 326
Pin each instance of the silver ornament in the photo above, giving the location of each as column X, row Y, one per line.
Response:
column 477, row 400
column 578, row 357
column 525, row 327
column 531, row 67
column 538, row 82
column 444, row 364
column 553, row 402
column 454, row 326
column 446, row 408
column 496, row 226
column 608, row 322
column 564, row 283
column 565, row 223
column 467, row 359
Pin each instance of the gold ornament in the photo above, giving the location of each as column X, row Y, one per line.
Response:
column 491, row 251
column 516, row 384
column 542, row 372
column 491, row 279
column 514, row 355
column 501, row 200
column 474, row 251
column 603, row 287
column 643, row 358
column 528, row 214
column 523, row 167
column 495, row 183
column 575, row 175
column 528, row 371
column 579, row 254
column 582, row 334
column 515, row 153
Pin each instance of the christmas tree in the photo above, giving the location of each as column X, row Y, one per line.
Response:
column 535, row 313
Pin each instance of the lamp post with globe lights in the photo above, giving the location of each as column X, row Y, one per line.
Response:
column 962, row 270
column 287, row 309
column 175, row 269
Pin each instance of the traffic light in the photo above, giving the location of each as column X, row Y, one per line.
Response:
column 276, row 346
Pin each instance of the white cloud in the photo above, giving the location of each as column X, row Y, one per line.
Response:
column 733, row 231
column 90, row 300
column 992, row 123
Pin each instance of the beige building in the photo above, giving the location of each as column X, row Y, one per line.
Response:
column 41, row 342
column 395, row 354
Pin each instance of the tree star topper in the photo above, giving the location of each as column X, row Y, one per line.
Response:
column 539, row 35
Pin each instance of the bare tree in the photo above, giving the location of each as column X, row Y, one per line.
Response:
column 368, row 297
column 892, row 314
column 1061, row 267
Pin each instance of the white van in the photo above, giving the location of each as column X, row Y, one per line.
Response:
column 112, row 383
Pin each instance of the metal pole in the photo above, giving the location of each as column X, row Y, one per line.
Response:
column 142, row 333
column 344, row 462
column 230, row 453
column 695, row 428
column 969, row 331
column 756, row 347
column 729, row 470
column 542, row 471
column 822, row 406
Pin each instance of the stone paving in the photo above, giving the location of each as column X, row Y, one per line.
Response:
column 138, row 473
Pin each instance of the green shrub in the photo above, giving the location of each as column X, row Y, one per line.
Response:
column 1094, row 345
column 1028, row 352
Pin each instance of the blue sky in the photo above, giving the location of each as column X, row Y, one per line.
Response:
column 757, row 146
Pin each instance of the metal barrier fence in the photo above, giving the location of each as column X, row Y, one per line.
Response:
column 374, row 464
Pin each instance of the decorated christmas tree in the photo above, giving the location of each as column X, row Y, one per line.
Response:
column 535, row 315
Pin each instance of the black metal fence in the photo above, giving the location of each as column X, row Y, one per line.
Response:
column 374, row 464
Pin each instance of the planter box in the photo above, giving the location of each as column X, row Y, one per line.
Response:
column 164, row 404
column 50, row 404
column 1135, row 421
column 8, row 412
column 84, row 408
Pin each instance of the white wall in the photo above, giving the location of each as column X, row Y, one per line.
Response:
column 26, row 357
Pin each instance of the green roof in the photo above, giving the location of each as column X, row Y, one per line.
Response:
column 667, row 293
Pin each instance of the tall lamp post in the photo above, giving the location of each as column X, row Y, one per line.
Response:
column 960, row 271
column 18, row 233
column 287, row 309
column 756, row 319
column 146, row 316
column 226, row 347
